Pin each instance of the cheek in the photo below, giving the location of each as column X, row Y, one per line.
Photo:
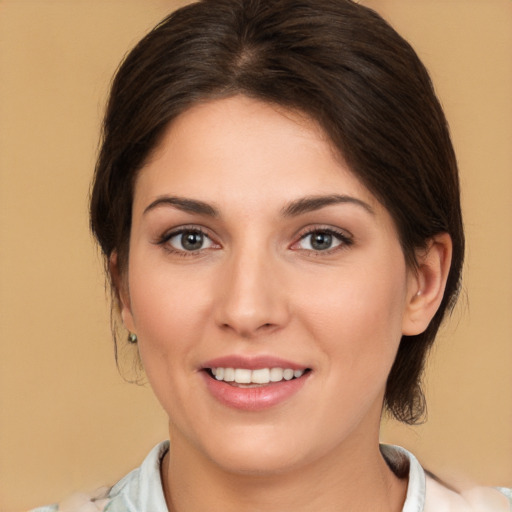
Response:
column 163, row 303
column 168, row 312
column 357, row 316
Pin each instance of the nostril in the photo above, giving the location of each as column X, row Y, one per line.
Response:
column 266, row 327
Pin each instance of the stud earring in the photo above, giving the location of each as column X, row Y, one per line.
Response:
column 132, row 337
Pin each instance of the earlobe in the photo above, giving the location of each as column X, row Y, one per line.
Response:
column 427, row 284
column 122, row 294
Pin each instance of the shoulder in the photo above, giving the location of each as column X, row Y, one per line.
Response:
column 427, row 493
column 443, row 497
column 80, row 502
column 140, row 490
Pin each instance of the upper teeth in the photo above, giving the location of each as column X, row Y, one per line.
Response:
column 259, row 376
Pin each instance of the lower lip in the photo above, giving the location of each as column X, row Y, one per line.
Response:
column 256, row 398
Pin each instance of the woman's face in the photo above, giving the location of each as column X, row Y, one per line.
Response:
column 256, row 254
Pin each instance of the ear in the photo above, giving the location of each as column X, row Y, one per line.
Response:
column 120, row 282
column 427, row 284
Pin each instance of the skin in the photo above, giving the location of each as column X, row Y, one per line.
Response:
column 257, row 287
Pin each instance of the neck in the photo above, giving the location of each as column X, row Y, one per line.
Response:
column 345, row 479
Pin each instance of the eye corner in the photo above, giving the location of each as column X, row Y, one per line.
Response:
column 328, row 240
column 174, row 241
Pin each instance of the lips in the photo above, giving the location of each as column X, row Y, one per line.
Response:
column 253, row 384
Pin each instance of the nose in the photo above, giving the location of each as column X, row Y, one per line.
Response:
column 251, row 298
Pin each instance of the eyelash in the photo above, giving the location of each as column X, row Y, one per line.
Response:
column 345, row 240
column 164, row 239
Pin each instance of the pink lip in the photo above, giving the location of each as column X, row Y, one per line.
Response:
column 252, row 363
column 253, row 398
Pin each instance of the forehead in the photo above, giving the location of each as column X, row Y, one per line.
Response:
column 242, row 150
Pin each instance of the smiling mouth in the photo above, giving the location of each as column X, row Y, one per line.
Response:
column 245, row 378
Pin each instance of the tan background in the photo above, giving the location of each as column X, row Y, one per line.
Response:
column 67, row 420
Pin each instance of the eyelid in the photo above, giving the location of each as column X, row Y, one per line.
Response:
column 345, row 238
column 178, row 230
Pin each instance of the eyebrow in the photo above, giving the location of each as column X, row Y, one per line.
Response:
column 293, row 209
column 184, row 204
column 312, row 203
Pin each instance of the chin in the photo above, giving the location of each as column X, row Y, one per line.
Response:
column 258, row 452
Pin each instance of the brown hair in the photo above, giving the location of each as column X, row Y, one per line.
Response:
column 336, row 61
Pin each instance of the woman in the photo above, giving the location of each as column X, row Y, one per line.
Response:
column 277, row 201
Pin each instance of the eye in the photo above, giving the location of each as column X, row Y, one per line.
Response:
column 322, row 240
column 188, row 240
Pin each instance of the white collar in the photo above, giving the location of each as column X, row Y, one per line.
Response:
column 141, row 490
